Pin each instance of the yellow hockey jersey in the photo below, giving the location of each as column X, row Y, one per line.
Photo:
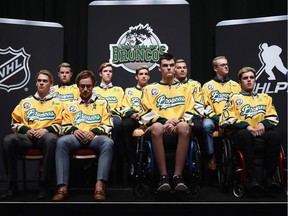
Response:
column 32, row 112
column 113, row 94
column 216, row 94
column 131, row 102
column 162, row 102
column 197, row 94
column 94, row 116
column 65, row 92
column 196, row 88
column 244, row 109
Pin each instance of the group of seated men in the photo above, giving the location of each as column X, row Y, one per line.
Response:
column 59, row 119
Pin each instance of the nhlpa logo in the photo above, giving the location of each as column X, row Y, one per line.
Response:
column 270, row 59
column 137, row 46
column 14, row 70
column 272, row 67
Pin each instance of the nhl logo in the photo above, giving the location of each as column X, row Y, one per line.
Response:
column 14, row 69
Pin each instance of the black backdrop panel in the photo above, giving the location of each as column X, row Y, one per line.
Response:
column 110, row 22
column 25, row 48
column 260, row 43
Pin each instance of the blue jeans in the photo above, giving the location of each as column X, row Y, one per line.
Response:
column 69, row 143
column 208, row 128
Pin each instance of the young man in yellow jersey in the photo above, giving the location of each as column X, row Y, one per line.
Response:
column 254, row 115
column 130, row 110
column 87, row 123
column 216, row 93
column 66, row 90
column 36, row 123
column 168, row 108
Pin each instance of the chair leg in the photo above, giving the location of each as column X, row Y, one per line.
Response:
column 24, row 175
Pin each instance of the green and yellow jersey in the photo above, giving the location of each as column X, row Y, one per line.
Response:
column 35, row 113
column 244, row 109
column 93, row 116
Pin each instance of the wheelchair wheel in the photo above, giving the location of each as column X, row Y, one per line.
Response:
column 194, row 169
column 225, row 165
column 198, row 164
column 141, row 191
column 238, row 191
column 195, row 192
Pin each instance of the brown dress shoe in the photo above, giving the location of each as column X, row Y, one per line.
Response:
column 212, row 164
column 99, row 195
column 60, row 195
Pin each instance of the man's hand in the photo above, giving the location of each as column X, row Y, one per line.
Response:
column 170, row 125
column 36, row 133
column 83, row 137
column 260, row 129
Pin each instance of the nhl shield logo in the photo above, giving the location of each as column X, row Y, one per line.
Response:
column 14, row 69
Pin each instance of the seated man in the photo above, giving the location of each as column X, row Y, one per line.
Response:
column 168, row 108
column 181, row 76
column 215, row 93
column 254, row 115
column 130, row 112
column 65, row 91
column 86, row 123
column 36, row 123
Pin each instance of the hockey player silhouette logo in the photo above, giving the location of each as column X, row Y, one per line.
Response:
column 270, row 59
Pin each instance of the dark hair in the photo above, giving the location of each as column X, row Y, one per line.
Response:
column 47, row 73
column 86, row 74
column 103, row 65
column 165, row 56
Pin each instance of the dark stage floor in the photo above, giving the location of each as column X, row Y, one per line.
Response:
column 121, row 201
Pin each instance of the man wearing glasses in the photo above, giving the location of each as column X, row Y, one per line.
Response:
column 216, row 93
column 87, row 123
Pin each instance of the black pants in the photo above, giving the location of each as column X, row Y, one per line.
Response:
column 272, row 144
column 129, row 125
column 16, row 144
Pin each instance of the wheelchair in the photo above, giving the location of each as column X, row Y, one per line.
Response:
column 232, row 171
column 146, row 175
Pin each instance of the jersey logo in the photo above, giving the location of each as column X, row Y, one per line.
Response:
column 218, row 97
column 130, row 92
column 239, row 101
column 81, row 117
column 154, row 91
column 164, row 103
column 26, row 105
column 72, row 108
column 249, row 111
column 33, row 115
column 135, row 101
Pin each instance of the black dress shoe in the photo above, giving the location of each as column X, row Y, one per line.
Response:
column 10, row 193
column 43, row 193
column 253, row 186
column 272, row 185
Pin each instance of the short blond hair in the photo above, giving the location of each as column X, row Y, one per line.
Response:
column 245, row 70
column 64, row 64
column 141, row 67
